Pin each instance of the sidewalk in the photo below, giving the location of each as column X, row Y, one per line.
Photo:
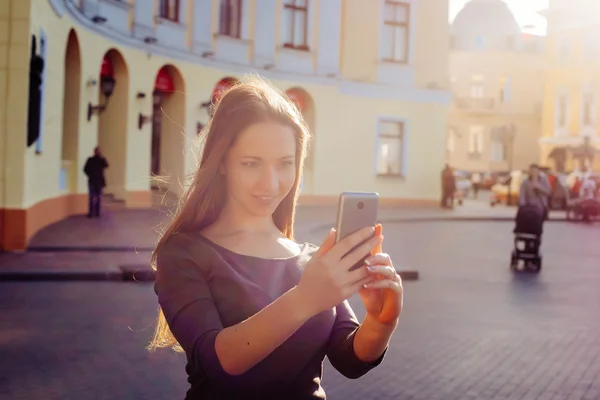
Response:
column 118, row 246
column 138, row 230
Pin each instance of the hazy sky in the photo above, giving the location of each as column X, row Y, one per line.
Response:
column 524, row 11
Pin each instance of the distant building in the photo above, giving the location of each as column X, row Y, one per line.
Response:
column 571, row 125
column 496, row 76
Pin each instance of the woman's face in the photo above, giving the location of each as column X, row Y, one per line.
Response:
column 260, row 168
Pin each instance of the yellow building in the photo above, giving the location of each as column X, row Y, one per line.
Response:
column 572, row 86
column 496, row 76
column 135, row 78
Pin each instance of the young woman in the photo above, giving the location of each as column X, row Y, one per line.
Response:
column 256, row 312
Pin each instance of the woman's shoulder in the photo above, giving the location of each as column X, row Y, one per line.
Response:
column 188, row 248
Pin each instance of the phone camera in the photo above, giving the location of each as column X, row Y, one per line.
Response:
column 361, row 205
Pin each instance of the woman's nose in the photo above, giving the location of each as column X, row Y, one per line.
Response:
column 270, row 180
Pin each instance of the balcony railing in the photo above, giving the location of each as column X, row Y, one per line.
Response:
column 475, row 103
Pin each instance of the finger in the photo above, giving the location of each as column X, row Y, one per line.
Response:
column 384, row 270
column 356, row 275
column 379, row 259
column 356, row 286
column 384, row 284
column 378, row 232
column 360, row 253
column 351, row 241
column 327, row 244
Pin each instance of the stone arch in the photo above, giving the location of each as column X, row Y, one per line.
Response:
column 113, row 119
column 168, row 129
column 71, row 107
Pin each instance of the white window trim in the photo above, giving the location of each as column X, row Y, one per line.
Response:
column 586, row 90
column 479, row 132
column 561, row 130
column 451, row 140
column 310, row 26
column 405, row 143
column 412, row 18
column 245, row 21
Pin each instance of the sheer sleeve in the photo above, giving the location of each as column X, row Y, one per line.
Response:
column 185, row 298
column 341, row 344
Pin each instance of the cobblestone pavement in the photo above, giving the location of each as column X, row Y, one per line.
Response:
column 470, row 330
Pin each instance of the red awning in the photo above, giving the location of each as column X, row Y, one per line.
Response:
column 107, row 68
column 164, row 81
column 297, row 97
column 222, row 86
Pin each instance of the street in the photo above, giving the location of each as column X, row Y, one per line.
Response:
column 470, row 329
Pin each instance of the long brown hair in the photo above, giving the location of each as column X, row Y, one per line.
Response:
column 249, row 101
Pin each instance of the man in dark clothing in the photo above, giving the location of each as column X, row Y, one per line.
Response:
column 448, row 187
column 94, row 169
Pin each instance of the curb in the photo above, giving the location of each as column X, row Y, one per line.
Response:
column 122, row 249
column 89, row 249
column 408, row 275
column 434, row 219
column 125, row 273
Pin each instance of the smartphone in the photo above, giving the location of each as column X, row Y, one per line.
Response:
column 356, row 210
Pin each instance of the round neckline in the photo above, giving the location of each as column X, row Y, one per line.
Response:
column 303, row 247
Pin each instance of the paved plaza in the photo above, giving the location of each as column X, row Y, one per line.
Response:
column 470, row 330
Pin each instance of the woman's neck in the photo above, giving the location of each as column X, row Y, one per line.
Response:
column 234, row 221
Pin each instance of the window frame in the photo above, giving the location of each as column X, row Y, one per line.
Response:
column 402, row 124
column 291, row 6
column 164, row 6
column 226, row 21
column 397, row 25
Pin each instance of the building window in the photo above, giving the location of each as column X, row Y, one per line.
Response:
column 562, row 108
column 390, row 148
column 169, row 9
column 295, row 15
column 564, row 50
column 451, row 140
column 230, row 18
column 479, row 42
column 477, row 86
column 476, row 140
column 498, row 144
column 588, row 117
column 396, row 24
column 505, row 89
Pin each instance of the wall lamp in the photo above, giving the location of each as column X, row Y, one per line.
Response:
column 107, row 86
column 98, row 19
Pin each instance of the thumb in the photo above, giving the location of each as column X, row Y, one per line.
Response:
column 327, row 244
column 378, row 232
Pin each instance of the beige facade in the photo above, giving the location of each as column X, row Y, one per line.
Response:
column 497, row 80
column 376, row 105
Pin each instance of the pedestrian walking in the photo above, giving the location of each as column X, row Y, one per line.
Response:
column 255, row 311
column 94, row 169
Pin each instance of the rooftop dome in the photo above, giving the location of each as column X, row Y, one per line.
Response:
column 485, row 18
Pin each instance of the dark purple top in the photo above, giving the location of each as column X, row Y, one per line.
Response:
column 203, row 288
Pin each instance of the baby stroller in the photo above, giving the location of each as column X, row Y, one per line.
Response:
column 528, row 233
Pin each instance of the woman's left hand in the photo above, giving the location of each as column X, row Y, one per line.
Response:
column 383, row 296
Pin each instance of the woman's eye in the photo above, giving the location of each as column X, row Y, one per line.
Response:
column 288, row 163
column 250, row 164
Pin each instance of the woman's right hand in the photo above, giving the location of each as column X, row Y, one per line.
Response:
column 326, row 280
